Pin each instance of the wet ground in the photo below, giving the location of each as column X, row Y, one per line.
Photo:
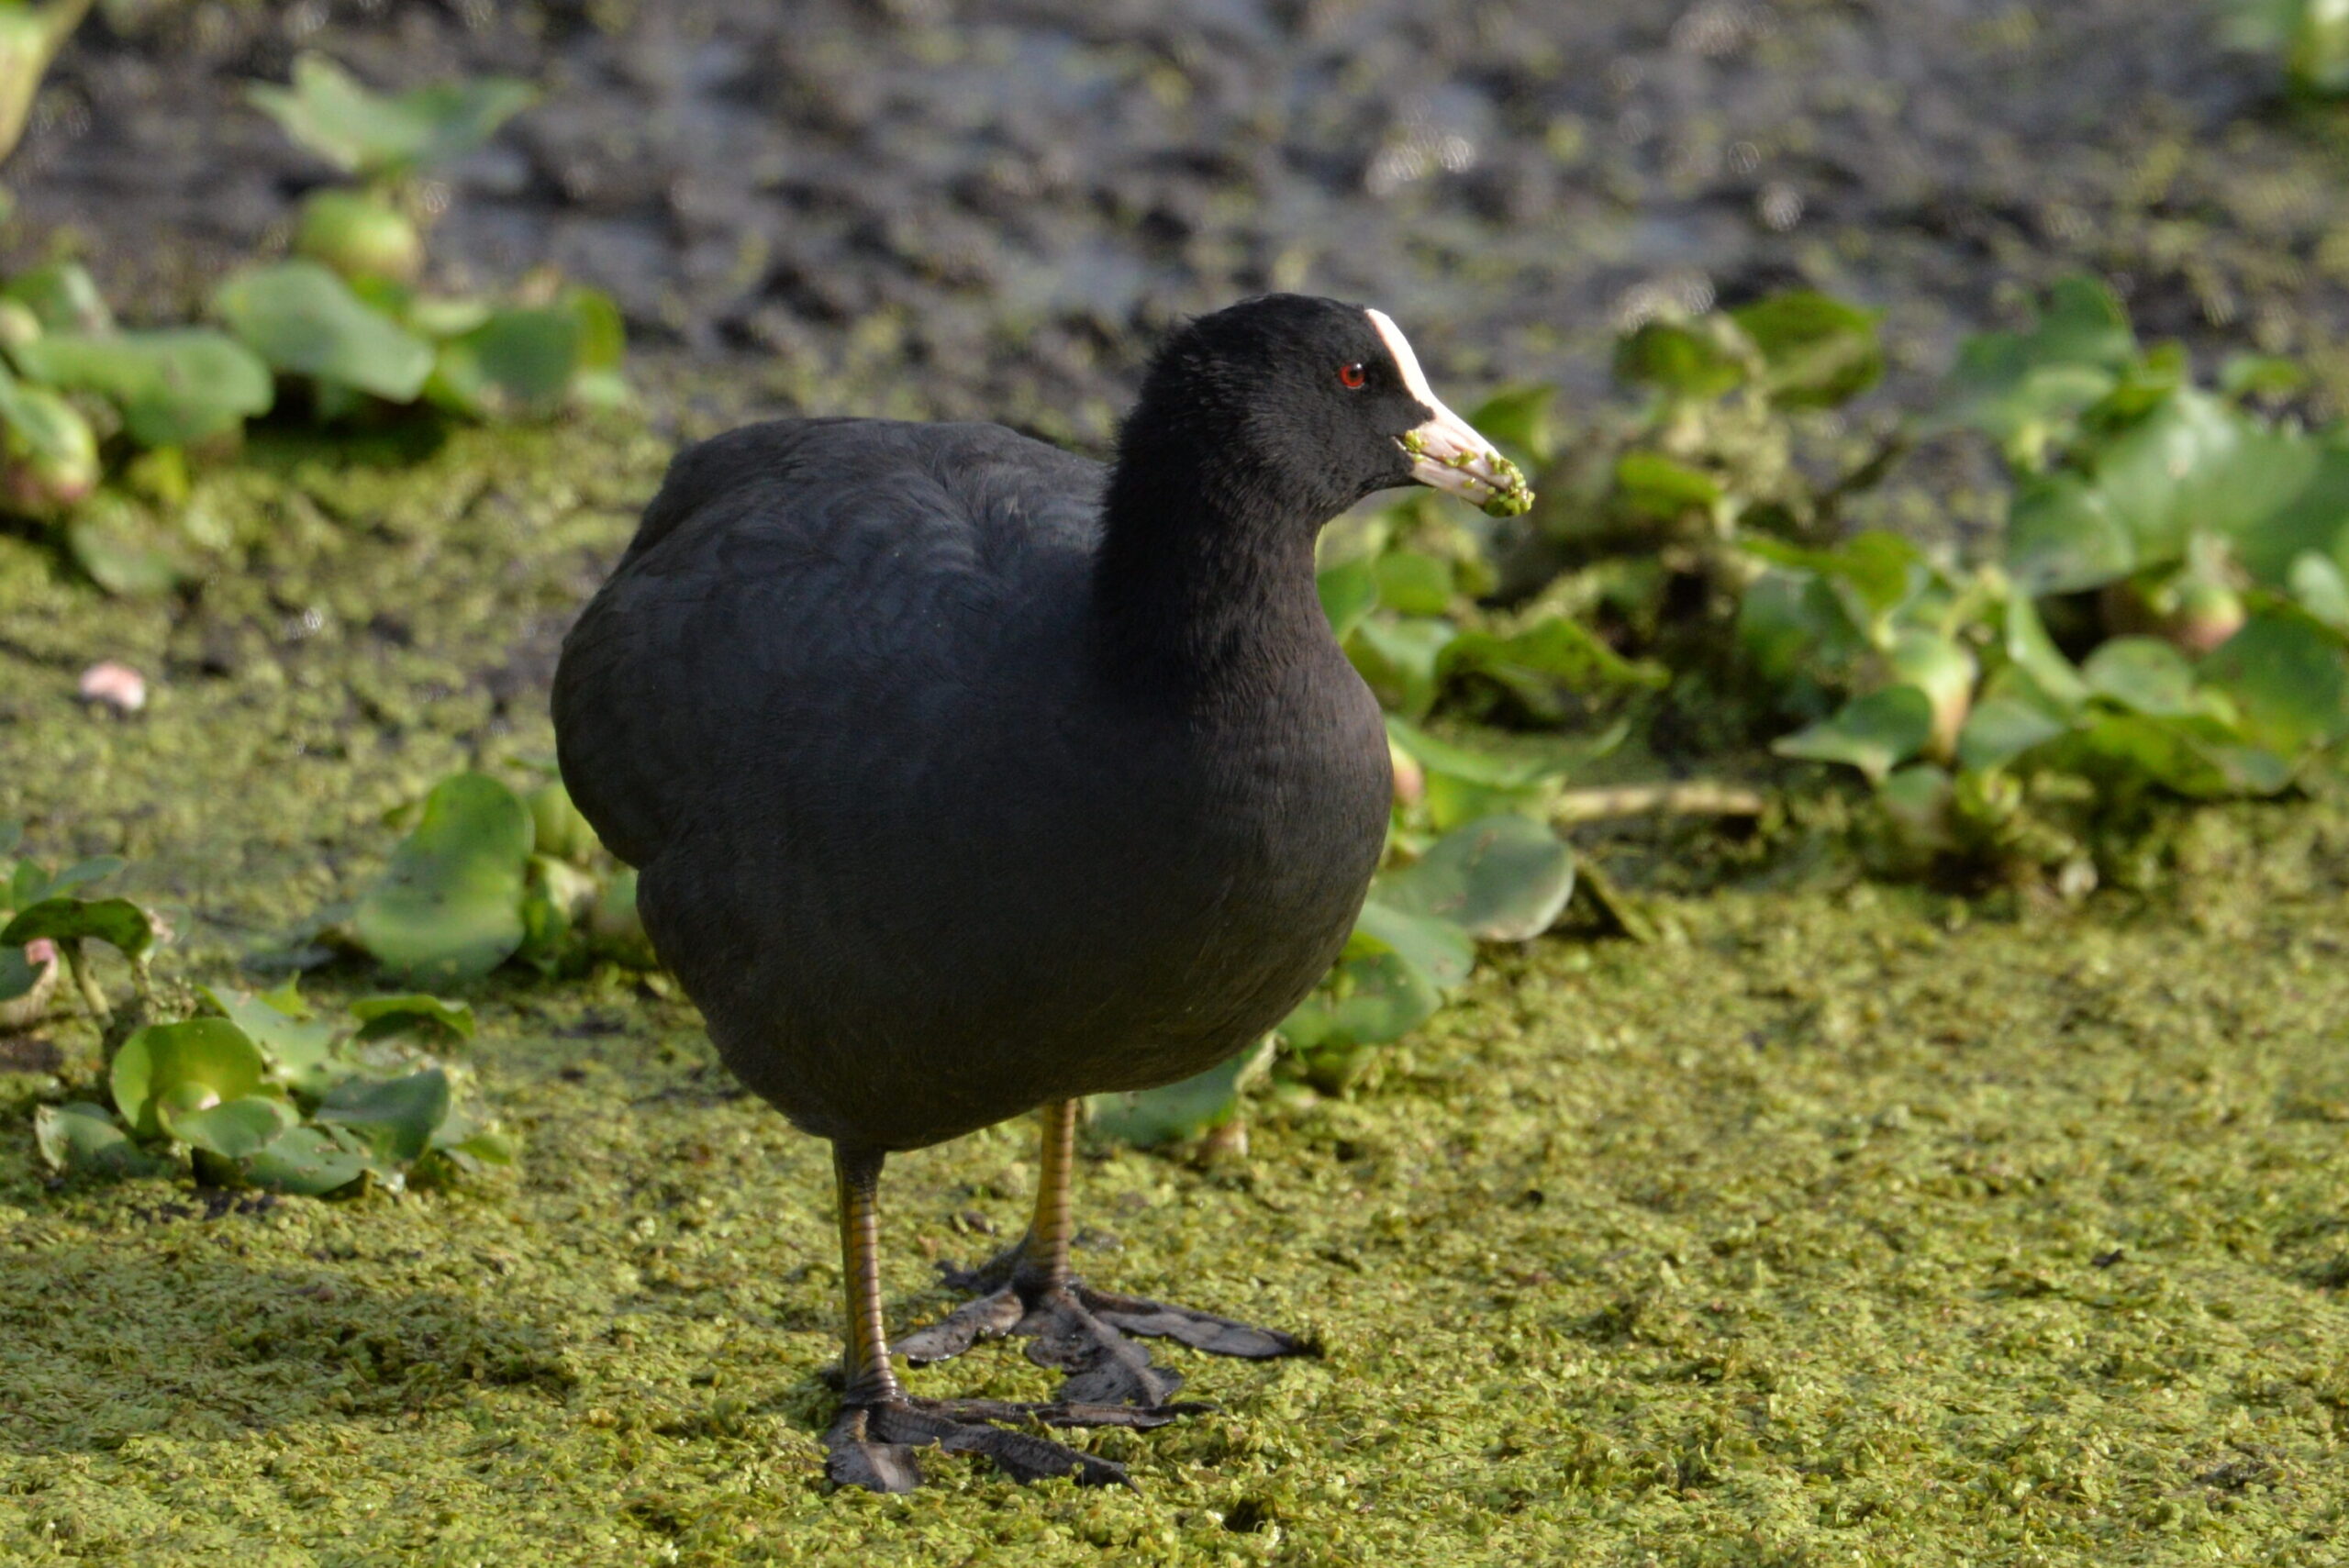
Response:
column 999, row 200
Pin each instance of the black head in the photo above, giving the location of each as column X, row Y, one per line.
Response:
column 1289, row 408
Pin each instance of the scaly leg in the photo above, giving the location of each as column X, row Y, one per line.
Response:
column 871, row 1443
column 1028, row 1290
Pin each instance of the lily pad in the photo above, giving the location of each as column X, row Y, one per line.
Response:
column 173, row 386
column 308, row 1161
column 394, row 1117
column 365, row 132
column 193, row 1064
column 83, row 1138
column 382, row 1016
column 1875, row 733
column 1148, row 1118
column 304, row 319
column 1504, row 879
column 450, row 905
column 232, row 1129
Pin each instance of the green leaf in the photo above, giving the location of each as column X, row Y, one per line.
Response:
column 374, row 134
column 123, row 548
column 296, row 1048
column 2318, row 584
column 304, row 320
column 1198, row 1104
column 1660, row 486
column 1556, row 653
column 2285, row 675
column 518, row 364
column 393, row 1116
column 63, row 297
column 2001, row 728
column 2197, row 756
column 1875, row 733
column 1817, row 351
column 52, row 452
column 82, row 1138
column 2025, row 387
column 1436, row 947
column 1398, row 657
column 380, row 1017
column 81, row 873
column 232, row 1129
column 1367, row 1001
column 191, row 1065
column 2061, row 535
column 1876, row 573
column 1512, row 761
column 1349, row 591
column 1414, row 584
column 175, row 386
column 1684, row 360
column 558, row 827
column 2034, row 652
column 1518, row 417
column 449, row 908
column 1504, row 879
column 117, row 921
column 2143, row 675
column 307, row 1160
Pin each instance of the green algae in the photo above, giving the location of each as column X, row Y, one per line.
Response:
column 1849, row 1227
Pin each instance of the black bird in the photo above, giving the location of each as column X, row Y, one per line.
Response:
column 966, row 777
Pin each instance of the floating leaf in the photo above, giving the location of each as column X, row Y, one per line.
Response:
column 1504, row 879
column 1413, row 582
column 365, row 132
column 449, row 908
column 1397, row 659
column 393, row 1116
column 1817, row 351
column 517, row 363
column 117, row 921
column 558, row 827
column 2023, row 388
column 295, row 1048
column 2001, row 728
column 304, row 320
column 192, row 1066
column 2034, row 653
column 2285, row 675
column 1367, row 1001
column 175, row 386
column 1873, row 733
column 1518, row 417
column 81, row 873
column 1349, row 591
column 1148, row 1118
column 232, row 1129
column 63, row 297
column 1436, row 947
column 2143, row 675
column 380, row 1017
column 1512, row 762
column 1684, row 360
column 2061, row 535
column 307, row 1160
column 1664, row 487
column 123, row 548
column 1537, row 662
column 87, row 1139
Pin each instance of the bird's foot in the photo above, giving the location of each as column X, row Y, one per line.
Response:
column 1084, row 1333
column 872, row 1445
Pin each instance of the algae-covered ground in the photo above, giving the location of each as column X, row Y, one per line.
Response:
column 1844, row 1225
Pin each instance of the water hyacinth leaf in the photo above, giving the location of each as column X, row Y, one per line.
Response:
column 63, row 297
column 118, row 922
column 1818, row 352
column 1349, row 591
column 304, row 320
column 19, row 977
column 365, row 132
column 394, row 1117
column 1413, row 584
column 232, row 1129
column 1518, row 417
column 1201, row 1102
column 1367, row 1001
column 1555, row 652
column 1436, row 947
column 122, row 547
column 470, row 1141
column 1505, row 879
column 307, row 1161
column 1663, row 487
column 2320, row 588
column 175, row 386
column 83, row 1138
column 1874, row 572
column 2143, row 675
column 1916, row 800
column 1682, row 360
column 517, row 363
column 2061, row 535
column 2285, row 673
column 2198, row 757
column 603, row 344
column 2035, row 654
column 81, row 873
column 1875, row 733
column 2001, row 728
column 558, row 828
column 380, row 1017
column 2019, row 386
column 295, row 1048
column 192, row 1064
column 1397, row 659
column 52, row 452
column 1512, row 761
column 450, row 905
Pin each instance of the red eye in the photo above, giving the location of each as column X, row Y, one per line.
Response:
column 1350, row 377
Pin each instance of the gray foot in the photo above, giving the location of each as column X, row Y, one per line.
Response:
column 873, row 1445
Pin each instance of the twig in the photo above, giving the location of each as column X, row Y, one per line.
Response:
column 1698, row 797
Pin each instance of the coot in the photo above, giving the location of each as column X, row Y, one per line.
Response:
column 967, row 777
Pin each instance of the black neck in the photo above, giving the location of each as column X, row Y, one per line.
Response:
column 1204, row 586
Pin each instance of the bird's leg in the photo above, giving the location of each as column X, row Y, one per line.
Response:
column 872, row 1442
column 1029, row 1289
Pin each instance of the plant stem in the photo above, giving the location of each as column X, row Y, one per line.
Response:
column 1698, row 797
